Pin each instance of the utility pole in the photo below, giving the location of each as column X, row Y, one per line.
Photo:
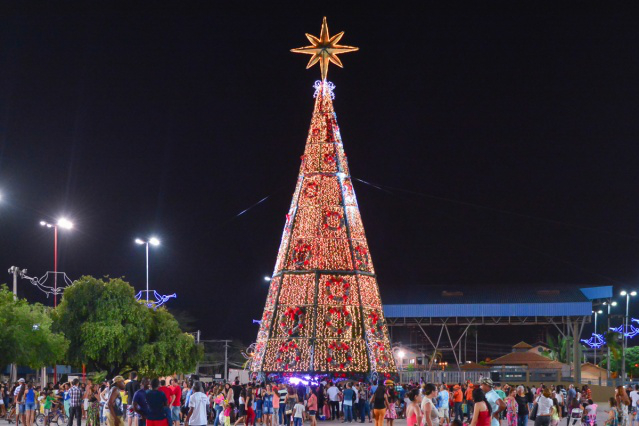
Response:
column 226, row 360
column 17, row 272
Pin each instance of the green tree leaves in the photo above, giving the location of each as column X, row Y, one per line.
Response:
column 26, row 336
column 108, row 330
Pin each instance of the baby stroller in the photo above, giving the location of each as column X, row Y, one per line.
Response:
column 576, row 415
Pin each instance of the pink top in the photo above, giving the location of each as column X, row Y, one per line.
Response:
column 312, row 402
column 412, row 420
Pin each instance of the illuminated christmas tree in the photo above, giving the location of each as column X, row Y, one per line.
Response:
column 323, row 311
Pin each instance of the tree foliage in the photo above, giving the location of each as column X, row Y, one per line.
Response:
column 108, row 330
column 26, row 336
column 632, row 361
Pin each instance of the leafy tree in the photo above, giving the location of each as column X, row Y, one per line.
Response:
column 108, row 330
column 557, row 348
column 26, row 337
column 632, row 360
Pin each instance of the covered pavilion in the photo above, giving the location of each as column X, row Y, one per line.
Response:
column 435, row 309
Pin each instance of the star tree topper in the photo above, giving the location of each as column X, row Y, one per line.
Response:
column 324, row 49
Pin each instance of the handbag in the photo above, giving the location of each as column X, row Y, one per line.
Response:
column 533, row 413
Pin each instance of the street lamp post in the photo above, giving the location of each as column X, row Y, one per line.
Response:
column 608, row 303
column 64, row 224
column 596, row 313
column 154, row 242
column 625, row 334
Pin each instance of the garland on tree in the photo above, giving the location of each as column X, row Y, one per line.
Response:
column 339, row 347
column 289, row 355
column 345, row 286
column 377, row 325
column 297, row 316
column 342, row 313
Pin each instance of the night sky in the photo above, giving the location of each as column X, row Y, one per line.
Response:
column 506, row 142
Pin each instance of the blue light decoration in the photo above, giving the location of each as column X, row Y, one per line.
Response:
column 630, row 332
column 159, row 298
column 595, row 341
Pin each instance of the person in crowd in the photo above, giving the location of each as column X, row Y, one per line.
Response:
column 298, row 412
column 198, row 402
column 241, row 408
column 555, row 414
column 85, row 397
column 347, row 403
column 278, row 416
column 380, row 403
column 93, row 410
column 428, row 408
column 258, row 405
column 333, row 397
column 237, row 389
column 248, row 403
column 444, row 405
column 391, row 413
column 591, row 412
column 413, row 410
column 613, row 414
column 139, row 404
column 312, row 406
column 458, row 398
column 75, row 403
column 30, row 405
column 115, row 409
column 176, row 393
column 497, row 405
column 468, row 396
column 512, row 408
column 131, row 388
column 219, row 405
column 634, row 398
column 482, row 415
column 321, row 400
column 364, row 405
column 291, row 399
column 544, row 407
column 623, row 403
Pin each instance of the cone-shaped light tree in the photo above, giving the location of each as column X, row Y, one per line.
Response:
column 323, row 312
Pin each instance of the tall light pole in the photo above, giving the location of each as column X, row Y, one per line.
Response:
column 625, row 335
column 596, row 313
column 154, row 242
column 64, row 224
column 608, row 303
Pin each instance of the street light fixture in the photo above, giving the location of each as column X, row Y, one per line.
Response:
column 267, row 278
column 63, row 223
column 154, row 242
column 625, row 333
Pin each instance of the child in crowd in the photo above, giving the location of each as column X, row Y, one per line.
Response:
column 298, row 413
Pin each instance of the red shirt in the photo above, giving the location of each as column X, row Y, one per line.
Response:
column 177, row 391
column 166, row 391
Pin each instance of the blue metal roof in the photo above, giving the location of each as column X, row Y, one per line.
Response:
column 593, row 293
column 491, row 301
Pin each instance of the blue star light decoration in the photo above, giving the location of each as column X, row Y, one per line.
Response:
column 595, row 341
column 630, row 332
column 159, row 298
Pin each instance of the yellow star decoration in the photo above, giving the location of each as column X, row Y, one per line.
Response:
column 324, row 49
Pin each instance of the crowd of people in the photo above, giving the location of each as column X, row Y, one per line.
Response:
column 145, row 402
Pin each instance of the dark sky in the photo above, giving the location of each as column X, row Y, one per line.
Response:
column 519, row 127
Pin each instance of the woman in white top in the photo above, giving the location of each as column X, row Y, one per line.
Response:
column 544, row 408
column 429, row 411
